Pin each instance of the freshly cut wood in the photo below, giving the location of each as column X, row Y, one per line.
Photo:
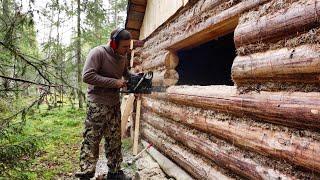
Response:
column 215, row 26
column 194, row 165
column 283, row 145
column 232, row 159
column 170, row 60
column 297, row 18
column 137, row 127
column 296, row 109
column 165, row 78
column 128, row 107
column 170, row 168
column 284, row 65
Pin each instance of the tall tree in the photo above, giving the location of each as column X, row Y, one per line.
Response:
column 78, row 55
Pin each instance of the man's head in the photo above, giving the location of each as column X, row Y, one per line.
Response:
column 120, row 41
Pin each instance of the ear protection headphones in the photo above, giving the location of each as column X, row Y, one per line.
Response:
column 114, row 39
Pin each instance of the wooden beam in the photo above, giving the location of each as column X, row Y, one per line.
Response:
column 133, row 24
column 137, row 7
column 297, row 18
column 139, row 2
column 282, row 65
column 137, row 127
column 126, row 113
column 215, row 26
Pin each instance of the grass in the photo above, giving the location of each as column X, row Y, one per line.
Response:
column 61, row 130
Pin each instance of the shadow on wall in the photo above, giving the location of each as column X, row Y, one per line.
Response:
column 207, row 64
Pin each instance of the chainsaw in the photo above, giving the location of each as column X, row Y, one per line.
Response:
column 140, row 83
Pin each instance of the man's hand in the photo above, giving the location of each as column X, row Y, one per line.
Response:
column 120, row 83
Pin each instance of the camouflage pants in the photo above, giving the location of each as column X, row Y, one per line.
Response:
column 102, row 121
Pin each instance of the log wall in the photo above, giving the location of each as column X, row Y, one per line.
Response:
column 267, row 126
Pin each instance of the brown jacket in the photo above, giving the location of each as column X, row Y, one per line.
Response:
column 101, row 70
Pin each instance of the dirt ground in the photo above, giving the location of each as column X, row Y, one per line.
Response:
column 144, row 168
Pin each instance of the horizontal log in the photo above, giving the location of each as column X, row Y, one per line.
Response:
column 213, row 27
column 283, row 145
column 194, row 165
column 232, row 159
column 298, row 17
column 170, row 60
column 165, row 78
column 170, row 168
column 283, row 65
column 294, row 109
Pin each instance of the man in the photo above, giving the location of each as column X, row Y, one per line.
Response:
column 103, row 70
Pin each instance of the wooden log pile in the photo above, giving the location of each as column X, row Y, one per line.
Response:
column 213, row 149
column 193, row 164
column 282, row 67
column 186, row 115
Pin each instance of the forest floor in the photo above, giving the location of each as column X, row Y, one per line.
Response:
column 58, row 158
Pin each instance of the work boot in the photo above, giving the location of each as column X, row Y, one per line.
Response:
column 86, row 175
column 117, row 176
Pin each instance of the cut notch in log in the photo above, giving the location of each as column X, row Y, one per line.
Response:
column 231, row 159
column 297, row 18
column 283, row 65
column 265, row 141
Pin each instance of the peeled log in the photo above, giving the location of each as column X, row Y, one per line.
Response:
column 284, row 65
column 299, row 17
column 165, row 78
column 170, row 60
column 283, row 145
column 296, row 109
column 186, row 159
column 231, row 159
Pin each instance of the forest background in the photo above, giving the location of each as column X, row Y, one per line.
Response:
column 43, row 45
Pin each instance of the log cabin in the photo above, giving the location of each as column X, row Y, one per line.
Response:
column 242, row 85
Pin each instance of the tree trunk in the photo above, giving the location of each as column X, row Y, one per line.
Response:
column 282, row 145
column 78, row 56
column 297, row 18
column 230, row 158
column 301, row 64
column 194, row 165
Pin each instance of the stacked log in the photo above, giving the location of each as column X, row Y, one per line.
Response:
column 281, row 68
column 259, row 138
column 230, row 157
column 193, row 164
